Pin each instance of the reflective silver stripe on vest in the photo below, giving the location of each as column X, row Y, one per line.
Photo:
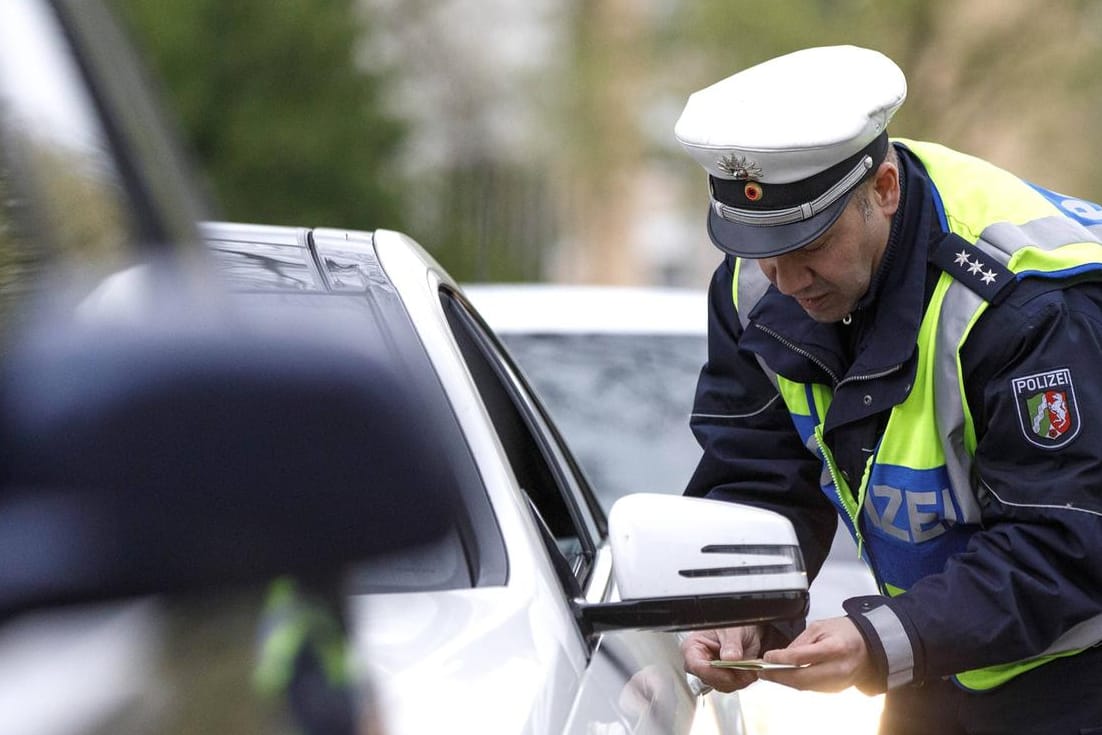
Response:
column 897, row 646
column 825, row 478
column 999, row 242
column 957, row 309
column 1083, row 635
column 752, row 285
column 1046, row 233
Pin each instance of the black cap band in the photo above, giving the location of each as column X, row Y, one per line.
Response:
column 766, row 197
column 787, row 226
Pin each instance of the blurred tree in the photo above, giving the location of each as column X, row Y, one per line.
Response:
column 602, row 103
column 13, row 268
column 488, row 220
column 474, row 75
column 287, row 127
column 537, row 136
column 1012, row 82
column 1015, row 83
column 71, row 195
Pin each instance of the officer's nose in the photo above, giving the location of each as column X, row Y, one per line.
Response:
column 787, row 273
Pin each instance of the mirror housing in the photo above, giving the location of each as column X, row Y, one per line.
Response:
column 186, row 458
column 686, row 563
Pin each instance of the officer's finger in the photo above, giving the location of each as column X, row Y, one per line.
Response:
column 834, row 639
column 825, row 676
column 825, row 665
column 738, row 643
column 729, row 680
column 699, row 652
column 700, row 644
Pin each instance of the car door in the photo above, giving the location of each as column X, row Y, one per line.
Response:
column 632, row 682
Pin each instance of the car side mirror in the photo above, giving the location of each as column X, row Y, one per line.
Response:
column 685, row 563
column 177, row 459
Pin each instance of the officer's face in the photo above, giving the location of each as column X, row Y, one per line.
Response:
column 830, row 275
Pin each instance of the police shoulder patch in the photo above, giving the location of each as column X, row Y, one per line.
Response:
column 1047, row 412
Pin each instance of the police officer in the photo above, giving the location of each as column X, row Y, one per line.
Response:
column 906, row 338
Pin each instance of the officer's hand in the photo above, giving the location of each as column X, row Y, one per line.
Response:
column 835, row 651
column 699, row 649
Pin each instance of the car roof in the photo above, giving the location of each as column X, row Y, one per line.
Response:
column 547, row 308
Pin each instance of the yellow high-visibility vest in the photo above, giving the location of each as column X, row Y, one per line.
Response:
column 917, row 495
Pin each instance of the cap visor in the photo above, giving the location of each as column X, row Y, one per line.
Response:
column 749, row 241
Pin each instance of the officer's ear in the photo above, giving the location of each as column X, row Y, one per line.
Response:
column 885, row 191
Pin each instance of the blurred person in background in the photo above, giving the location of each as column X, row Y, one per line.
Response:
column 907, row 338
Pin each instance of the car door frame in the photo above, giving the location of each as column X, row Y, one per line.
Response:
column 633, row 678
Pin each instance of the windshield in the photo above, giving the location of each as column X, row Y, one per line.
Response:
column 622, row 403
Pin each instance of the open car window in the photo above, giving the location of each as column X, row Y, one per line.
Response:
column 557, row 494
column 622, row 402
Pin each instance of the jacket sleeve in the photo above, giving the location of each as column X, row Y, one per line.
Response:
column 1033, row 573
column 752, row 453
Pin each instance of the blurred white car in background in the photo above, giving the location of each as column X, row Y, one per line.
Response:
column 616, row 367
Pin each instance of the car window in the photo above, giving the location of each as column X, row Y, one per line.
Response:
column 560, row 501
column 374, row 322
column 622, row 402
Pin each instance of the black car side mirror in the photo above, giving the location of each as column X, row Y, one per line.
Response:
column 172, row 460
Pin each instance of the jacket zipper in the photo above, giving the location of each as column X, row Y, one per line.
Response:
column 800, row 351
column 869, row 376
column 828, row 458
column 834, row 379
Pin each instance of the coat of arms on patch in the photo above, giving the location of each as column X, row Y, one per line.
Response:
column 1047, row 410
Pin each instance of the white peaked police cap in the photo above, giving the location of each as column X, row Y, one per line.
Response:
column 786, row 142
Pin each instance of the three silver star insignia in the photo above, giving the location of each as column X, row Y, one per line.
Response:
column 976, row 267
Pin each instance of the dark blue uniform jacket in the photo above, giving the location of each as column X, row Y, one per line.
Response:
column 1034, row 567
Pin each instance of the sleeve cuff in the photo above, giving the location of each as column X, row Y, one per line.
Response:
column 889, row 645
